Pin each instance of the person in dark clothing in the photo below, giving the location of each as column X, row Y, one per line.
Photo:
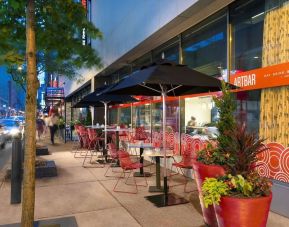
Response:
column 52, row 123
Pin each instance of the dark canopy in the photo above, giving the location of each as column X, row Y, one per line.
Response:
column 147, row 81
column 98, row 97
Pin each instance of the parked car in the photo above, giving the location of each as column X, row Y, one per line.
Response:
column 21, row 119
column 11, row 127
column 3, row 137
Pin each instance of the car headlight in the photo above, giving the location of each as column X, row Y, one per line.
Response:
column 14, row 131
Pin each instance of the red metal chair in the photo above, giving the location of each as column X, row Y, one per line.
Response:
column 185, row 164
column 123, row 136
column 113, row 156
column 93, row 147
column 83, row 141
column 128, row 167
column 76, row 143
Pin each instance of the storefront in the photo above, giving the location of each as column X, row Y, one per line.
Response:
column 247, row 44
column 76, row 114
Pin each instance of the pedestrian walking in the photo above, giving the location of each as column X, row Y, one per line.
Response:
column 40, row 125
column 53, row 125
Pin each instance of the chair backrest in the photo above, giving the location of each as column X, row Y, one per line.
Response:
column 111, row 148
column 92, row 134
column 124, row 159
column 123, row 133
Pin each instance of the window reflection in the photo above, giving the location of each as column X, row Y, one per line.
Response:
column 205, row 46
column 247, row 19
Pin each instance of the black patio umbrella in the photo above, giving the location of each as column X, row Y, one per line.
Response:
column 99, row 98
column 166, row 79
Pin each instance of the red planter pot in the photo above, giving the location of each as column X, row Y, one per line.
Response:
column 201, row 172
column 242, row 212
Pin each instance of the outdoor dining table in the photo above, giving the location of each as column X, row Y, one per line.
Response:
column 95, row 126
column 158, row 154
column 141, row 147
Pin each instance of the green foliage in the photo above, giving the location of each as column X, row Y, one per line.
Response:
column 209, row 155
column 213, row 189
column 75, row 122
column 243, row 150
column 251, row 185
column 59, row 26
column 241, row 185
column 88, row 118
column 61, row 122
column 226, row 107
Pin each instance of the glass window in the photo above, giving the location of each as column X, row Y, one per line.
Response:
column 125, row 116
column 113, row 116
column 247, row 20
column 172, row 111
column 199, row 114
column 142, row 116
column 142, row 61
column 168, row 51
column 157, row 117
column 205, row 46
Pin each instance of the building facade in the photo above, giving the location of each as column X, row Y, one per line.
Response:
column 245, row 42
column 12, row 95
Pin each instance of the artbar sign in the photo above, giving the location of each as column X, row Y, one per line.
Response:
column 271, row 76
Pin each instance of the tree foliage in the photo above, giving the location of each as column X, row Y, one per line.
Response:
column 59, row 27
column 226, row 107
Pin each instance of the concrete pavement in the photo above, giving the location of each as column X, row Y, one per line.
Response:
column 5, row 155
column 86, row 194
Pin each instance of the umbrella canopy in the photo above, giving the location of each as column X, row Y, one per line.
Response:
column 177, row 79
column 98, row 97
column 166, row 79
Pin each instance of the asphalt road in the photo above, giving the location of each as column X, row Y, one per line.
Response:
column 5, row 154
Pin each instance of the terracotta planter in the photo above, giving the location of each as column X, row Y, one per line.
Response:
column 242, row 212
column 201, row 172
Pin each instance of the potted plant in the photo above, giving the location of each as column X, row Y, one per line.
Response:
column 241, row 197
column 212, row 161
column 73, row 123
column 61, row 127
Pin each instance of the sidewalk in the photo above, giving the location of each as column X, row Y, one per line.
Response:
column 86, row 194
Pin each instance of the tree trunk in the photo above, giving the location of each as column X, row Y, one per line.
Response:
column 30, row 127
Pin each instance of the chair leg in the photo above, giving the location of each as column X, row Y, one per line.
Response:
column 108, row 168
column 93, row 165
column 85, row 158
column 115, row 190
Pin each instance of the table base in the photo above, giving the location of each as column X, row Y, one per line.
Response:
column 145, row 174
column 163, row 200
column 155, row 189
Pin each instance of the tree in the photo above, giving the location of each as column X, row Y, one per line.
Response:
column 52, row 44
column 59, row 27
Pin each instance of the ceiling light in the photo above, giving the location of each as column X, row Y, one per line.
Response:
column 257, row 15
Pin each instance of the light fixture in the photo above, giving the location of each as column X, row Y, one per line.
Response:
column 256, row 57
column 257, row 15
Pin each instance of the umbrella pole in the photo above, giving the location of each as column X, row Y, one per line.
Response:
column 105, row 124
column 164, row 94
column 105, row 132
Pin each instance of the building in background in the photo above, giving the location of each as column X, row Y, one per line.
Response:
column 12, row 95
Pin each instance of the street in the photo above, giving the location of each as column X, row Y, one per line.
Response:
column 5, row 154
